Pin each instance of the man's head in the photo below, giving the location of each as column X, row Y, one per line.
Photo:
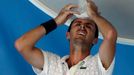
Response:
column 83, row 31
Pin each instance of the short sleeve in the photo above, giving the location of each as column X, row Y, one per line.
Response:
column 48, row 58
column 102, row 69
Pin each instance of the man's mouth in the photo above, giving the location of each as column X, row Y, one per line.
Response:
column 83, row 33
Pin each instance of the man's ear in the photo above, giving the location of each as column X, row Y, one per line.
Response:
column 68, row 35
column 95, row 40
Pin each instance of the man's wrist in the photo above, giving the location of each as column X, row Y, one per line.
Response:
column 57, row 21
column 49, row 25
column 95, row 16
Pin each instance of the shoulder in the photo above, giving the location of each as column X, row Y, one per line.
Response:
column 100, row 66
column 50, row 56
column 50, row 63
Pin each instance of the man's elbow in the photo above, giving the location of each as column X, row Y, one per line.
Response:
column 20, row 45
column 112, row 35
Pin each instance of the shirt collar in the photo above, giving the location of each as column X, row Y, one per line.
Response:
column 64, row 58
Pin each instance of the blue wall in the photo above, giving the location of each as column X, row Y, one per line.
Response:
column 18, row 17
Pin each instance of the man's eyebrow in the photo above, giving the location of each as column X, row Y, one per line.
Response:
column 77, row 21
column 89, row 23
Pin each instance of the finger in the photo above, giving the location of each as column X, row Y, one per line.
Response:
column 92, row 5
column 89, row 1
column 70, row 6
column 74, row 12
column 99, row 13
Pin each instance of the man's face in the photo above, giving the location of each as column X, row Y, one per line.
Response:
column 82, row 31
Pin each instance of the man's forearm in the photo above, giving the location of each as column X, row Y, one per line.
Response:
column 105, row 27
column 29, row 39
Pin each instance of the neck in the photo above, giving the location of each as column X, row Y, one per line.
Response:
column 77, row 54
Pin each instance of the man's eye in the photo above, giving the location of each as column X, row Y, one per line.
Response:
column 88, row 26
column 78, row 24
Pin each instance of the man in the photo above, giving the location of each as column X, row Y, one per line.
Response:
column 82, row 35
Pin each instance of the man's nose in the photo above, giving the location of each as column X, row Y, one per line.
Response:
column 82, row 27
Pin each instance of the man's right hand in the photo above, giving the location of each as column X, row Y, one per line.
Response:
column 66, row 13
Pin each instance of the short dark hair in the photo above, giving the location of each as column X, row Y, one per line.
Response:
column 96, row 32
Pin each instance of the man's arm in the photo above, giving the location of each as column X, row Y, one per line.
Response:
column 26, row 46
column 109, row 33
column 26, row 43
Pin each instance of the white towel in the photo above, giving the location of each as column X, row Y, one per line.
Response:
column 82, row 9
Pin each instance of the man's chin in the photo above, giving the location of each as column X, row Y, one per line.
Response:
column 81, row 37
column 80, row 41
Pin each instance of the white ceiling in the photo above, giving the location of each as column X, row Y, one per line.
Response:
column 119, row 12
